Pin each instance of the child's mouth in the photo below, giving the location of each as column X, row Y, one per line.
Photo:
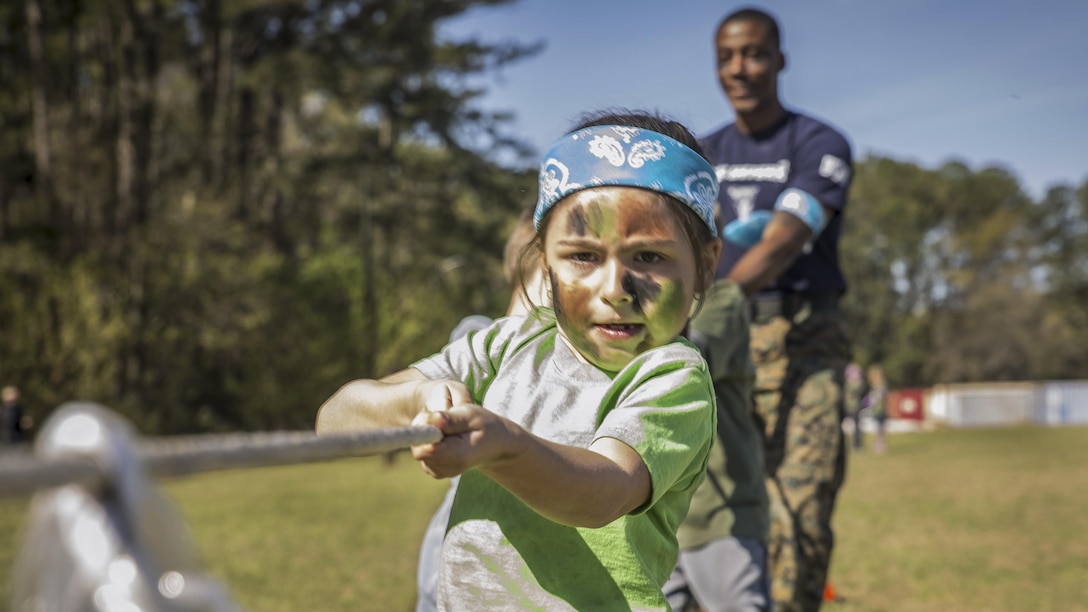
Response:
column 619, row 330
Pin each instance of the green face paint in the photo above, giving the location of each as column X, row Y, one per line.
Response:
column 622, row 273
column 669, row 307
column 589, row 220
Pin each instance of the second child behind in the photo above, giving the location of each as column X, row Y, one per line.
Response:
column 580, row 432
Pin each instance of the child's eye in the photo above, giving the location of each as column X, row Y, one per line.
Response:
column 582, row 257
column 650, row 257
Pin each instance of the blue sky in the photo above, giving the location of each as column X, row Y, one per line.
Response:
column 1002, row 83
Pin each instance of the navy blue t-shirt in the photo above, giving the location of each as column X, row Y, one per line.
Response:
column 754, row 169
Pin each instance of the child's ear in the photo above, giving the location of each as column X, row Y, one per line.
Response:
column 548, row 281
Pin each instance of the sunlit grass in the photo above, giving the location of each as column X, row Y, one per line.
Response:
column 337, row 536
column 951, row 520
column 966, row 520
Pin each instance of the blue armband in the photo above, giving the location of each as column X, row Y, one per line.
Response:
column 802, row 205
column 748, row 232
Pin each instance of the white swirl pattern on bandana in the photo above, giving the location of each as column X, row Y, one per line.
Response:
column 627, row 156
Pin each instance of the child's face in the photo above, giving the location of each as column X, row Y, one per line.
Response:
column 621, row 270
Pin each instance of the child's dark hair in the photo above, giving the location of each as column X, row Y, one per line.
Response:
column 522, row 255
column 519, row 258
column 697, row 232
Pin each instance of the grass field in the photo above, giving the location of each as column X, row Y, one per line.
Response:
column 990, row 520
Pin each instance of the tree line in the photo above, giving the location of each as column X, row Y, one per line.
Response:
column 958, row 276
column 214, row 213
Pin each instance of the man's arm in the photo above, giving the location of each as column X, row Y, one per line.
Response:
column 782, row 241
column 774, row 240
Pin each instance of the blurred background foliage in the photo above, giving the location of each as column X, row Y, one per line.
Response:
column 213, row 213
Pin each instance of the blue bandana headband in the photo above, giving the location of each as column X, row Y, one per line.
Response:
column 631, row 157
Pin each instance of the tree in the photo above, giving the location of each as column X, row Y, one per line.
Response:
column 956, row 275
column 250, row 202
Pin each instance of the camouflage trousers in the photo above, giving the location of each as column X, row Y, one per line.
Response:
column 798, row 396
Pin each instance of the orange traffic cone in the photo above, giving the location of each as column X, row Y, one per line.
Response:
column 829, row 592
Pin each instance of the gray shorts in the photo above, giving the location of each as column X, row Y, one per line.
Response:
column 724, row 575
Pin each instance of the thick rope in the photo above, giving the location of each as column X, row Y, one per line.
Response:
column 22, row 473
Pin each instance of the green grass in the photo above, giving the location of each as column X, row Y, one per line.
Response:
column 337, row 536
column 988, row 520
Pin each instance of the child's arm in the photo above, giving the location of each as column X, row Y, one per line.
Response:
column 573, row 486
column 392, row 401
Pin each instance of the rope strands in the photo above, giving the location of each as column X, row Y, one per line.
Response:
column 187, row 455
column 23, row 473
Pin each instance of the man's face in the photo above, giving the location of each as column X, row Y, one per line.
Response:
column 749, row 61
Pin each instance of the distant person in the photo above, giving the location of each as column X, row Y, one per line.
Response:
column 854, row 389
column 581, row 431
column 876, row 401
column 525, row 277
column 16, row 422
column 784, row 181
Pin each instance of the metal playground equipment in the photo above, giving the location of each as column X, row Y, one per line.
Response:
column 101, row 537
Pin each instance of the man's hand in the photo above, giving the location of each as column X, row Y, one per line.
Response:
column 748, row 232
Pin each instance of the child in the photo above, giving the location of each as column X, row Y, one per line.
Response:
column 580, row 432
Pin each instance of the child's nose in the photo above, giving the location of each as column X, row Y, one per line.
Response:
column 616, row 290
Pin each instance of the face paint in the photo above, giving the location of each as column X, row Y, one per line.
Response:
column 575, row 335
column 588, row 220
column 622, row 273
column 577, row 222
column 642, row 288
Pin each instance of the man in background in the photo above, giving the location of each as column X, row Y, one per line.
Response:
column 784, row 181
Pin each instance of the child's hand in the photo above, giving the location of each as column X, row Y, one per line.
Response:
column 438, row 396
column 473, row 437
column 441, row 395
